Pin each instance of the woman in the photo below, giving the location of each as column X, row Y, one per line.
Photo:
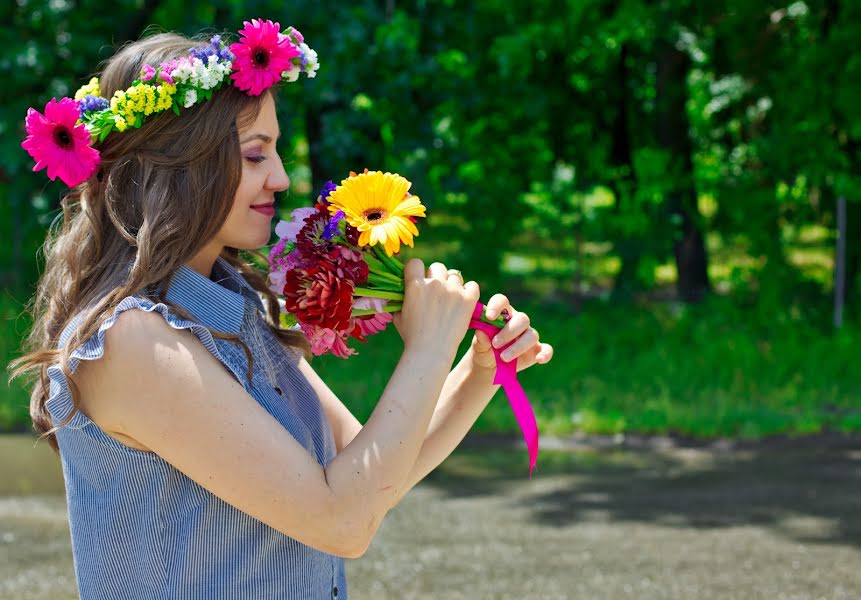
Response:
column 203, row 456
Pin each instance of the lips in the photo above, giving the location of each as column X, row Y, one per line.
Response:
column 266, row 209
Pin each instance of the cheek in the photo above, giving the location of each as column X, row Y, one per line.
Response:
column 246, row 191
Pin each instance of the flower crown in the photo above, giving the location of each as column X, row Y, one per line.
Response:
column 62, row 138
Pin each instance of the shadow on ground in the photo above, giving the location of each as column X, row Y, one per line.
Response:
column 766, row 484
column 598, row 521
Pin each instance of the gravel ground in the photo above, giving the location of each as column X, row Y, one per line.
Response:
column 599, row 520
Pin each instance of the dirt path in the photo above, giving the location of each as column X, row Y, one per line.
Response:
column 648, row 522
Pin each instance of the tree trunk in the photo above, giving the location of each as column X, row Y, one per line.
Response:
column 840, row 264
column 672, row 134
column 628, row 249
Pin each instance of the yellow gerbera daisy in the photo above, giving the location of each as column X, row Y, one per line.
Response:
column 377, row 205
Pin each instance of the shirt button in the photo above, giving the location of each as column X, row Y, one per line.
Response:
column 335, row 592
column 278, row 391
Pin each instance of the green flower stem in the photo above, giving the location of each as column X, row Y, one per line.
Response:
column 389, row 308
column 498, row 321
column 375, row 265
column 372, row 293
column 394, row 265
column 393, row 279
column 384, row 283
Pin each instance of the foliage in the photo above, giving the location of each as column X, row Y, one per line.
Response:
column 566, row 150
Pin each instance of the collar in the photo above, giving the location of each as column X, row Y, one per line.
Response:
column 219, row 302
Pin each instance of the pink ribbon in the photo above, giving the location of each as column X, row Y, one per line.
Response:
column 506, row 376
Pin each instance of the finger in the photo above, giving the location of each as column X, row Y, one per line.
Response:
column 528, row 358
column 482, row 341
column 521, row 345
column 456, row 275
column 515, row 327
column 472, row 290
column 495, row 306
column 437, row 271
column 414, row 270
column 545, row 354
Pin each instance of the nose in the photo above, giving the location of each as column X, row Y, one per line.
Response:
column 278, row 180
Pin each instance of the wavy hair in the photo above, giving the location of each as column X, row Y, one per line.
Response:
column 161, row 193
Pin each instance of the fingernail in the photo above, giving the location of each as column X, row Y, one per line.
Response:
column 506, row 356
column 490, row 315
column 497, row 342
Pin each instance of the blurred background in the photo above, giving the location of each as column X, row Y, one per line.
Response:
column 670, row 188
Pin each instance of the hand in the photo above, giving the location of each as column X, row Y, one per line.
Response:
column 437, row 307
column 526, row 349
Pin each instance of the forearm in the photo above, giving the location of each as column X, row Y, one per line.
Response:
column 370, row 473
column 466, row 393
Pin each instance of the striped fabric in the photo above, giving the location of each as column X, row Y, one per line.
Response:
column 143, row 530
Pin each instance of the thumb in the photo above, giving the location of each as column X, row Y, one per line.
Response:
column 481, row 342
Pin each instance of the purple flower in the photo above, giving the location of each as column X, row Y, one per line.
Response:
column 328, row 188
column 202, row 52
column 332, row 227
column 276, row 251
column 90, row 103
column 147, row 73
column 214, row 48
column 225, row 54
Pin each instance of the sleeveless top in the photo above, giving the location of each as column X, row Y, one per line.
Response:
column 143, row 530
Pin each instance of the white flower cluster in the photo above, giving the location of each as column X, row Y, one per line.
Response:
column 193, row 72
column 311, row 64
column 190, row 98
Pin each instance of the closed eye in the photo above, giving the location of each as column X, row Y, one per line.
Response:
column 255, row 159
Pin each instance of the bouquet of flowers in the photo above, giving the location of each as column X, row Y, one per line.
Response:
column 335, row 268
column 334, row 263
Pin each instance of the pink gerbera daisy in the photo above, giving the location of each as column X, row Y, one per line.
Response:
column 262, row 53
column 55, row 141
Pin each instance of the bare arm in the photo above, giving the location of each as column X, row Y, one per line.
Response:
column 162, row 389
column 466, row 393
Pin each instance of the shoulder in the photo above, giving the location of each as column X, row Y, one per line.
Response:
column 145, row 361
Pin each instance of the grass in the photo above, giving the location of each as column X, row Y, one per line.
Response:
column 718, row 369
column 741, row 368
column 706, row 371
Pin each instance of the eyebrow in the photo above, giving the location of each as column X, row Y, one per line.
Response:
column 259, row 136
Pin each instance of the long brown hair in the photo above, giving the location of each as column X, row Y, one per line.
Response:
column 161, row 193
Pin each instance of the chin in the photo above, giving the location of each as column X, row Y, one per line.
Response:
column 252, row 243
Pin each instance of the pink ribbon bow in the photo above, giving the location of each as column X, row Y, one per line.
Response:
column 506, row 376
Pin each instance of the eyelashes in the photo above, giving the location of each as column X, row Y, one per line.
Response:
column 255, row 159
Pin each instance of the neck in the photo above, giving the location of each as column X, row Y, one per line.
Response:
column 205, row 259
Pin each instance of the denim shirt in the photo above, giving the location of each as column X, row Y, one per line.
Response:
column 142, row 529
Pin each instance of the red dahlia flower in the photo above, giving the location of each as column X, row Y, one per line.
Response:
column 316, row 295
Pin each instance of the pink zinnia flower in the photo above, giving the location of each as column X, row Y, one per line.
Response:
column 55, row 141
column 262, row 53
column 323, row 340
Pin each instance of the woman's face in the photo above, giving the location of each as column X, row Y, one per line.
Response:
column 248, row 226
